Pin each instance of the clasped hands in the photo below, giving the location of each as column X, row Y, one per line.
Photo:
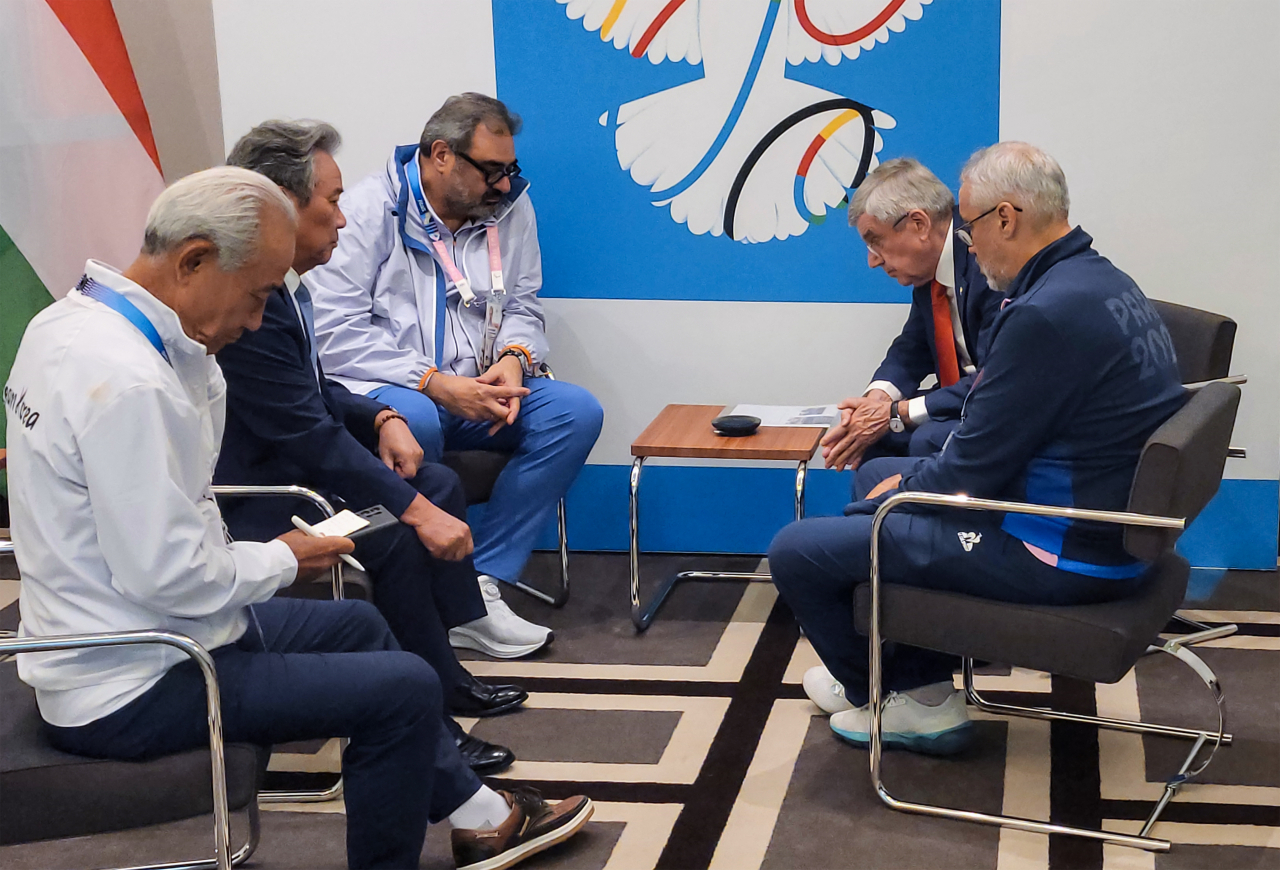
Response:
column 863, row 421
column 492, row 397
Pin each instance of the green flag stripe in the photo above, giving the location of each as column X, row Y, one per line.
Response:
column 22, row 296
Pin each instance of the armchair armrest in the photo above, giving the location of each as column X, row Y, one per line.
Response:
column 222, row 825
column 302, row 492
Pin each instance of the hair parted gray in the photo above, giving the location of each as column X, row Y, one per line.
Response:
column 223, row 205
column 456, row 121
column 285, row 152
column 1022, row 174
column 896, row 187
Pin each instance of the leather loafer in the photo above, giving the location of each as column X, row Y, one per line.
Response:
column 482, row 757
column 477, row 699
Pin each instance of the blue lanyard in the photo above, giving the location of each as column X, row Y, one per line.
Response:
column 125, row 308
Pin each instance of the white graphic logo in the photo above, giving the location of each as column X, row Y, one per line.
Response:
column 968, row 539
column 745, row 151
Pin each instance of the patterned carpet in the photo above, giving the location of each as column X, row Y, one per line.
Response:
column 701, row 751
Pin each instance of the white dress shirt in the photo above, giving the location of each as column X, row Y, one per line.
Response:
column 114, row 524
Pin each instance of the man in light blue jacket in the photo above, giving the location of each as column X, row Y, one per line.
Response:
column 430, row 305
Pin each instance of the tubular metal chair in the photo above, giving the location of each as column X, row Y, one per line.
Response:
column 1179, row 471
column 51, row 795
column 479, row 470
column 1203, row 342
column 280, row 796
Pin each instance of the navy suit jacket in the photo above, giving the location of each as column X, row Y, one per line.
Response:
column 284, row 427
column 913, row 356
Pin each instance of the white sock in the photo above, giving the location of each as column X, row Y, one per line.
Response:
column 484, row 810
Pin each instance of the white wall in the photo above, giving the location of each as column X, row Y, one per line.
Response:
column 1165, row 116
column 376, row 69
column 1163, row 113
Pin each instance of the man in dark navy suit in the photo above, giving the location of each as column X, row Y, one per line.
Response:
column 288, row 424
column 905, row 215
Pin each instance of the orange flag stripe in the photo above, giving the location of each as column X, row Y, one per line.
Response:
column 93, row 26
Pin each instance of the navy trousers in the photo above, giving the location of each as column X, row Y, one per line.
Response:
column 817, row 563
column 303, row 670
column 420, row 596
column 924, row 440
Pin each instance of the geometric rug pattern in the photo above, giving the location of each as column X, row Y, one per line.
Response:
column 700, row 749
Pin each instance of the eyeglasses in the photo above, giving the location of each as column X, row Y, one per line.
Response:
column 963, row 232
column 872, row 248
column 493, row 176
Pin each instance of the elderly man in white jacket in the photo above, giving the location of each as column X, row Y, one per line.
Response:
column 115, row 410
column 430, row 304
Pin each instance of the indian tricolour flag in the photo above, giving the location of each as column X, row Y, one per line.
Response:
column 78, row 160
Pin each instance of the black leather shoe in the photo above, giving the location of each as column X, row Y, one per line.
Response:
column 478, row 699
column 484, row 758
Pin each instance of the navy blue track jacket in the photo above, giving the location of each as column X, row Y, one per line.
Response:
column 1080, row 371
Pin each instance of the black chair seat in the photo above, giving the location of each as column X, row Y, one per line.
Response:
column 478, row 469
column 1094, row 642
column 47, row 794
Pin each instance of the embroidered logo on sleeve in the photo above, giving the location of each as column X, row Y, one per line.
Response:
column 16, row 402
column 968, row 539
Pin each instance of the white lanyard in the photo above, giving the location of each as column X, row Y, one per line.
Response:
column 493, row 307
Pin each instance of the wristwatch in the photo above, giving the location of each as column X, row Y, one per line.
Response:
column 895, row 420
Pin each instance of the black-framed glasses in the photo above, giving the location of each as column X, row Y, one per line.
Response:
column 492, row 176
column 894, row 227
column 963, row 231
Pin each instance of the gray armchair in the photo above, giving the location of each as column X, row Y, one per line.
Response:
column 49, row 794
column 1178, row 473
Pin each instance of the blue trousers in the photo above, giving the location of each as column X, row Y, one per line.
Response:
column 817, row 563
column 924, row 440
column 549, row 443
column 303, row 670
column 420, row 596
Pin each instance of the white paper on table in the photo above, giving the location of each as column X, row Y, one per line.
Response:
column 791, row 415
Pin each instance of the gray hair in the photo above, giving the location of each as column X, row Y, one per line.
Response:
column 223, row 205
column 896, row 187
column 457, row 119
column 1021, row 174
column 285, row 152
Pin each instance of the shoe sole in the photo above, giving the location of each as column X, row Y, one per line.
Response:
column 949, row 742
column 512, row 857
column 462, row 639
column 488, row 711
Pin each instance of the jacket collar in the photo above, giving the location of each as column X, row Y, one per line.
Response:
column 162, row 317
column 1071, row 245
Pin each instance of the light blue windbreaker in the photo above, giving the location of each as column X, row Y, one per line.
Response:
column 378, row 300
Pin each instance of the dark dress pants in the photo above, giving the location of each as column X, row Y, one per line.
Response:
column 817, row 563
column 420, row 596
column 305, row 670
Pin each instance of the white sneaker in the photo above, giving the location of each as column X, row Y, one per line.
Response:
column 825, row 690
column 501, row 634
column 941, row 730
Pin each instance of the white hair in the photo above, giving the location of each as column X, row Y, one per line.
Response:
column 896, row 187
column 223, row 205
column 1021, row 174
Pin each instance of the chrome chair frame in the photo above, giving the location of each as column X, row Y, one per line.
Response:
column 558, row 598
column 1176, row 647
column 303, row 796
column 223, row 858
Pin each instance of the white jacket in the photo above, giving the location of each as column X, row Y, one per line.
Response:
column 376, row 301
column 111, row 454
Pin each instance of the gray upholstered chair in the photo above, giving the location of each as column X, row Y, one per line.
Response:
column 1202, row 340
column 46, row 794
column 1178, row 473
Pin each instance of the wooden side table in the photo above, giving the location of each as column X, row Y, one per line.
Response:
column 685, row 431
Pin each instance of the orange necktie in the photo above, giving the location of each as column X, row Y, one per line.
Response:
column 944, row 337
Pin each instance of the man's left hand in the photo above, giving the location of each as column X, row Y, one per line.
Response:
column 399, row 450
column 506, row 372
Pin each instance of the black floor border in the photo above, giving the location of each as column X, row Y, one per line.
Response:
column 1075, row 777
column 1196, row 813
